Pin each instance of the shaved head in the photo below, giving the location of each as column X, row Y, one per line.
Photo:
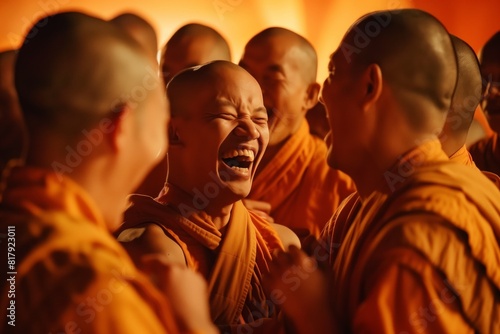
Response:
column 140, row 30
column 192, row 44
column 490, row 72
column 309, row 64
column 490, row 52
column 75, row 71
column 415, row 54
column 195, row 79
column 465, row 98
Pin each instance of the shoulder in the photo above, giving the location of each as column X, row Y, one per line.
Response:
column 149, row 239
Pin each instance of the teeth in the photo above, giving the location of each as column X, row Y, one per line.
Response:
column 248, row 154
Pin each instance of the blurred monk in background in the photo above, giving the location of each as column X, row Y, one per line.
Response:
column 294, row 186
column 486, row 152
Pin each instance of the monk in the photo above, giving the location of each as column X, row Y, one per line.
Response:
column 486, row 152
column 91, row 143
column 218, row 134
column 294, row 186
column 419, row 250
column 140, row 30
column 13, row 141
column 192, row 44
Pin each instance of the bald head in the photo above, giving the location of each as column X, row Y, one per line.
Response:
column 140, row 30
column 278, row 35
column 196, row 79
column 415, row 54
column 490, row 52
column 465, row 98
column 193, row 44
column 75, row 71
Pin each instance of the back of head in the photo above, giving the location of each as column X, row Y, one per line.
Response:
column 74, row 72
column 465, row 98
column 192, row 44
column 490, row 53
column 140, row 29
column 415, row 54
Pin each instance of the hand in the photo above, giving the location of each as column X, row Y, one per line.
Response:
column 303, row 288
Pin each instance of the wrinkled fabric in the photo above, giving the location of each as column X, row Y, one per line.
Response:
column 302, row 189
column 423, row 258
column 72, row 274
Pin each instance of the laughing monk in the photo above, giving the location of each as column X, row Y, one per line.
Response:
column 420, row 252
column 191, row 45
column 217, row 139
column 90, row 145
column 293, row 185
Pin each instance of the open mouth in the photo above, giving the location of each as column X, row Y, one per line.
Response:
column 240, row 159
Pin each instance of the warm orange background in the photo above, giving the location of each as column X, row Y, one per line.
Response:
column 323, row 22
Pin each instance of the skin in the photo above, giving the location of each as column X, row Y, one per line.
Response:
column 380, row 106
column 465, row 98
column 191, row 45
column 59, row 111
column 140, row 30
column 490, row 72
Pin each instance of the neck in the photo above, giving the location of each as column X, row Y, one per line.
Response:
column 220, row 215
column 271, row 152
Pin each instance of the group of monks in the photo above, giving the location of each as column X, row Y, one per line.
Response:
column 196, row 195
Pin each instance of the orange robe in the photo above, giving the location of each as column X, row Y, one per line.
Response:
column 486, row 153
column 302, row 189
column 72, row 276
column 233, row 263
column 423, row 258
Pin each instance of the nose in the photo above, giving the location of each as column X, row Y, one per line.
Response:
column 246, row 128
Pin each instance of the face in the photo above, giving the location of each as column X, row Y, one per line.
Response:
column 338, row 97
column 187, row 53
column 276, row 64
column 490, row 73
column 222, row 139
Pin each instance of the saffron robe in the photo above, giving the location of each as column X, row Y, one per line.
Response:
column 71, row 274
column 423, row 258
column 233, row 263
column 302, row 189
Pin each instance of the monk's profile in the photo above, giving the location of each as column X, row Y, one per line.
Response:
column 416, row 248
column 218, row 134
column 294, row 186
column 91, row 141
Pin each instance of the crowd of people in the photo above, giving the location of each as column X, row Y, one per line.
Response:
column 199, row 195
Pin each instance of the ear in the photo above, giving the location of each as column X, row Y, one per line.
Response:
column 173, row 134
column 372, row 86
column 312, row 94
column 118, row 127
